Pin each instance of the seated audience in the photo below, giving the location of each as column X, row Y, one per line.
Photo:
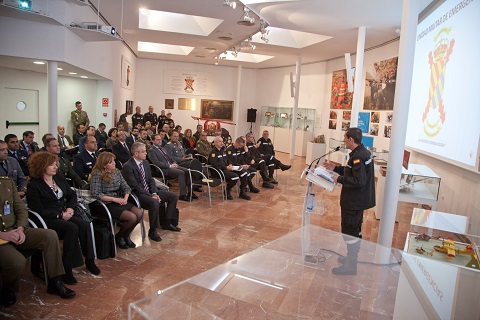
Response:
column 189, row 142
column 14, row 151
column 90, row 132
column 107, row 184
column 28, row 144
column 203, row 146
column 198, row 132
column 101, row 135
column 133, row 136
column 15, row 238
column 64, row 141
column 259, row 162
column 9, row 167
column 143, row 138
column 219, row 160
column 79, row 134
column 159, row 157
column 176, row 151
column 138, row 175
column 112, row 138
column 64, row 166
column 121, row 149
column 84, row 162
column 49, row 194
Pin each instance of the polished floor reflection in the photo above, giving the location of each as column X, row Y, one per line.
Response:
column 209, row 237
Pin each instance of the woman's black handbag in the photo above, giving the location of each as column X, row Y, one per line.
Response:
column 82, row 211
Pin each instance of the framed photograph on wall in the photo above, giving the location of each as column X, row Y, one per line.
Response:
column 332, row 124
column 333, row 114
column 216, row 109
column 169, row 103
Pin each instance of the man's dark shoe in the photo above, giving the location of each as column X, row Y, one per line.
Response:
column 129, row 242
column 254, row 190
column 285, row 167
column 229, row 196
column 245, row 196
column 153, row 235
column 57, row 287
column 121, row 243
column 197, row 188
column 92, row 267
column 341, row 259
column 184, row 198
column 267, row 185
column 8, row 297
column 171, row 227
column 68, row 278
column 273, row 181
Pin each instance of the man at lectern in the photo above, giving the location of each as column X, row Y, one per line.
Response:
column 358, row 194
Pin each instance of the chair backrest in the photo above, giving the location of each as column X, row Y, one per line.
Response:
column 196, row 165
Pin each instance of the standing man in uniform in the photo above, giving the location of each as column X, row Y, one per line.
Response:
column 79, row 116
column 358, row 194
column 137, row 117
column 150, row 116
column 16, row 237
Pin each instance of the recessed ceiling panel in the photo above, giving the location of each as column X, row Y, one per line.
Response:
column 164, row 48
column 247, row 57
column 290, row 38
column 176, row 22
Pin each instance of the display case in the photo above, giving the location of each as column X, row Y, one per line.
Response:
column 443, row 237
column 283, row 118
column 419, row 184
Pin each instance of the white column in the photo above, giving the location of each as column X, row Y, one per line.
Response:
column 52, row 78
column 400, row 118
column 293, row 133
column 237, row 102
column 357, row 87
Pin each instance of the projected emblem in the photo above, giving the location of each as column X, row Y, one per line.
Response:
column 434, row 114
column 189, row 84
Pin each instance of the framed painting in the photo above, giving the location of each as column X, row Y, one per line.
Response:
column 127, row 74
column 216, row 109
column 169, row 103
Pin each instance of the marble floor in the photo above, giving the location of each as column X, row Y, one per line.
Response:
column 209, row 237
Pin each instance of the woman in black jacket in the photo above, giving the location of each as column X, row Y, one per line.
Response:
column 50, row 196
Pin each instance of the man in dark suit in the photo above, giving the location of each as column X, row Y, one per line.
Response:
column 84, row 161
column 138, row 175
column 79, row 134
column 14, row 151
column 9, row 167
column 121, row 149
column 133, row 136
column 28, row 144
column 150, row 116
column 101, row 135
column 159, row 157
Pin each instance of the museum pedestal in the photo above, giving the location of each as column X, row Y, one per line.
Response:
column 314, row 151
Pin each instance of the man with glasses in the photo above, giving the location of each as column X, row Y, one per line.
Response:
column 84, row 161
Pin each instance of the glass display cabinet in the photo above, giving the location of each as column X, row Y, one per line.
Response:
column 283, row 118
column 279, row 121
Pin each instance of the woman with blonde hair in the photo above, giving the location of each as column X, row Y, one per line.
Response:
column 49, row 194
column 189, row 141
column 107, row 184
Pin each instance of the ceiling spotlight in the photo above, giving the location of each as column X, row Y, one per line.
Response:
column 234, row 52
column 38, row 62
column 246, row 20
column 263, row 30
column 231, row 4
column 59, row 69
column 264, row 38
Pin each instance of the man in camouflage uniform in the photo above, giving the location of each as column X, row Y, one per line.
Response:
column 79, row 116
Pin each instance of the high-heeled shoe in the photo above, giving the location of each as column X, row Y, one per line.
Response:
column 129, row 242
column 121, row 242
